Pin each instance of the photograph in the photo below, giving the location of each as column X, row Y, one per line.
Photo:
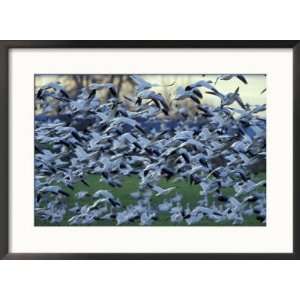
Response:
column 150, row 149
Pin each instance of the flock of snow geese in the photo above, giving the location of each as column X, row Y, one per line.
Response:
column 215, row 148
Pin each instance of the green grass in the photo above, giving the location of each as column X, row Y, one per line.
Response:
column 189, row 192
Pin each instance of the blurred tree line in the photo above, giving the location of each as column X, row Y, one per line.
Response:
column 74, row 83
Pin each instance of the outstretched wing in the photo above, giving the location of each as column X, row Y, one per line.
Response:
column 242, row 78
column 140, row 82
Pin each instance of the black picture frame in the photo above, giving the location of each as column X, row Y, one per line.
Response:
column 5, row 46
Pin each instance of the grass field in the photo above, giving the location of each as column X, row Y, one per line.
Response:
column 189, row 192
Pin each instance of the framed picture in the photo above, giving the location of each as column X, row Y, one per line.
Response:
column 149, row 149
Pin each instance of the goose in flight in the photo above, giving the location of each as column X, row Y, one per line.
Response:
column 59, row 91
column 201, row 83
column 229, row 98
column 110, row 200
column 127, row 121
column 259, row 108
column 142, row 84
column 193, row 93
column 247, row 187
column 157, row 98
column 54, row 190
column 99, row 86
column 160, row 191
column 263, row 91
column 103, row 193
column 241, row 77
